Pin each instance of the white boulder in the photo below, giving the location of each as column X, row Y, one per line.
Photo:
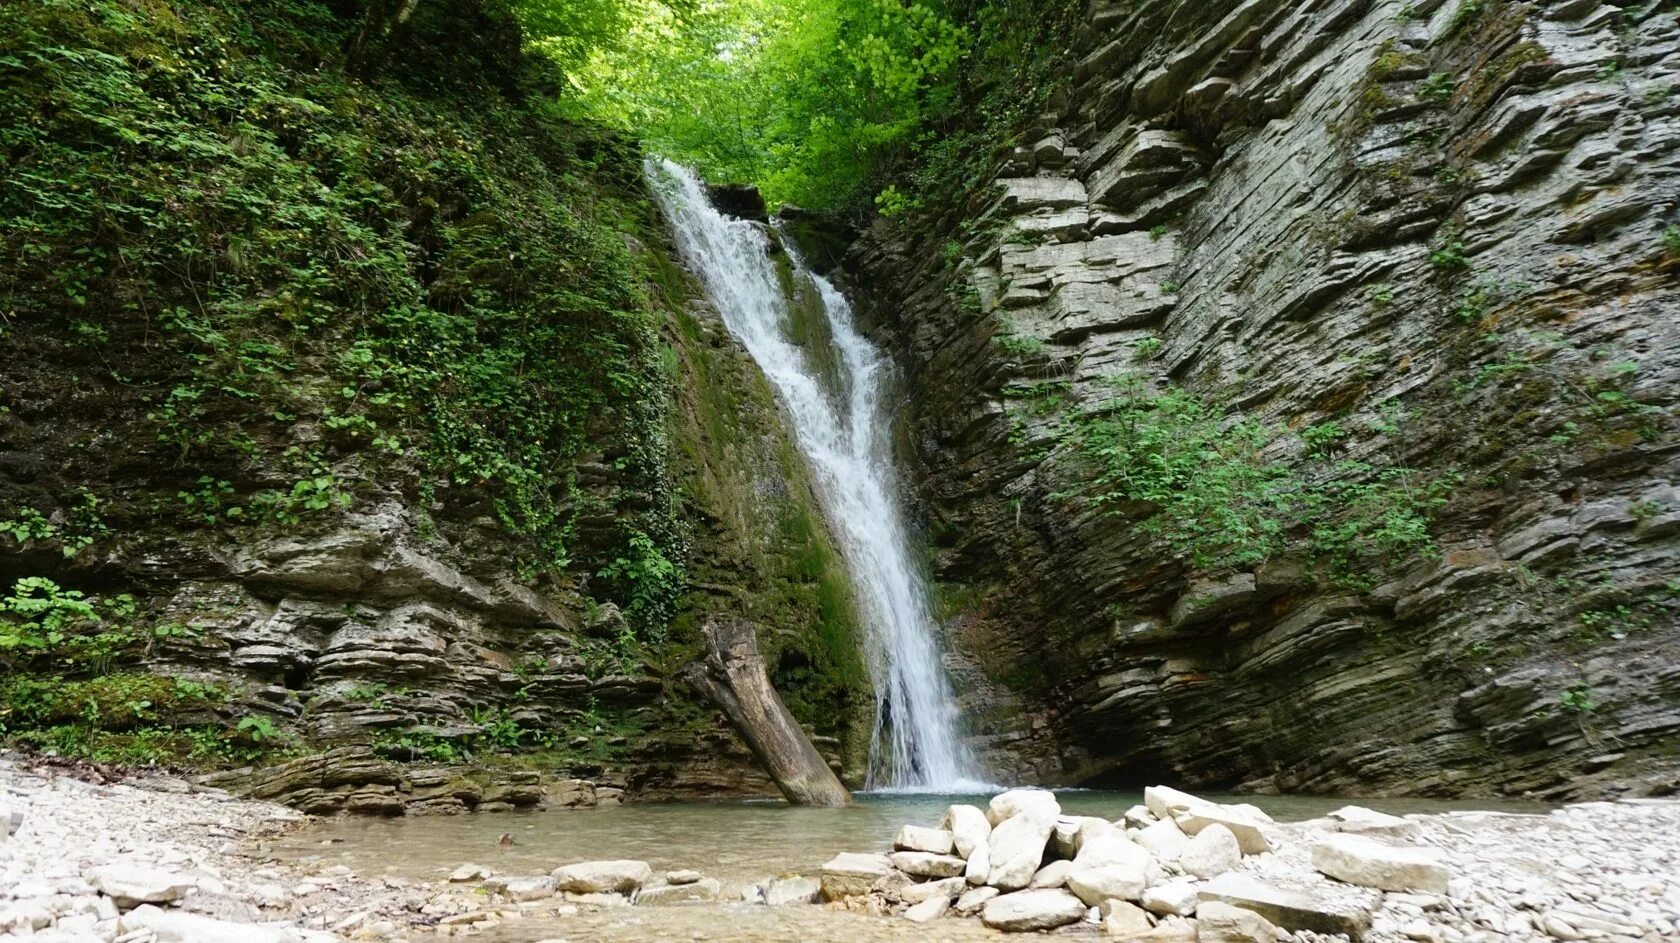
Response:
column 522, row 888
column 923, row 864
column 968, row 826
column 603, row 877
column 1053, row 874
column 1138, row 816
column 1245, row 827
column 1218, row 922
column 973, row 899
column 1005, row 806
column 469, row 872
column 1124, row 920
column 1024, row 911
column 174, row 926
column 851, row 875
column 1163, row 839
column 935, row 841
column 947, row 888
column 1165, row 802
column 1175, row 899
column 1362, row 821
column 979, row 866
column 1211, row 853
column 784, row 892
column 1095, row 884
column 697, row 892
column 928, row 910
column 1017, row 844
column 1066, row 834
column 131, row 884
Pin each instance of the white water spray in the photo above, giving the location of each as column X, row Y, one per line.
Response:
column 843, row 433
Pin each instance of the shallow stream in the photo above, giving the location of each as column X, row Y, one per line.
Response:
column 739, row 843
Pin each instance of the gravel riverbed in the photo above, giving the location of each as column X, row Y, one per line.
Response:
column 154, row 858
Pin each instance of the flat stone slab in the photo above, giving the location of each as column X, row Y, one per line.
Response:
column 1024, row 911
column 1370, row 863
column 696, row 892
column 603, row 877
column 850, row 874
column 1288, row 909
column 786, row 892
column 934, row 841
column 134, row 884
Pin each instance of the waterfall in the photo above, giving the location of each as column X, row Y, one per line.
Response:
column 842, row 429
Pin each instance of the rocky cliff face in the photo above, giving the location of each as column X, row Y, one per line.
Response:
column 362, row 426
column 1295, row 408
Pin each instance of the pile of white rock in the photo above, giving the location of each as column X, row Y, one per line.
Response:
column 158, row 860
column 1179, row 868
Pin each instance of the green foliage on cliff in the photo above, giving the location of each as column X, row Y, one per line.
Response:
column 1217, row 488
column 320, row 254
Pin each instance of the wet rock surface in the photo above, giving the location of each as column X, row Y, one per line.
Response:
column 1439, row 229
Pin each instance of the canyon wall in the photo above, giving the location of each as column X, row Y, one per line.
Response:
column 360, row 431
column 1294, row 408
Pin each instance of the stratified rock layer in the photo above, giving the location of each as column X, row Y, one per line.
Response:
column 1450, row 230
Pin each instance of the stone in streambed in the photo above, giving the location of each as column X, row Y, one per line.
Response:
column 891, row 884
column 948, row 888
column 1163, row 839
column 1165, row 802
column 702, row 891
column 1292, row 910
column 132, row 884
column 1222, row 923
column 174, row 926
column 850, row 874
column 1008, row 805
column 1370, row 863
column 923, row 864
column 683, row 877
column 973, row 899
column 603, row 877
column 1065, row 836
column 1054, row 874
column 1125, row 920
column 1211, row 853
column 1015, row 850
column 928, row 910
column 1093, row 885
column 1362, row 821
column 979, row 866
column 1241, row 823
column 935, row 841
column 469, row 872
column 1175, row 898
column 535, row 887
column 1024, row 911
column 784, row 892
column 968, row 826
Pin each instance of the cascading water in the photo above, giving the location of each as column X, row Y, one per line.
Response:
column 843, row 433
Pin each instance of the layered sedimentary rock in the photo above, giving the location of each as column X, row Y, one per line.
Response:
column 1446, row 234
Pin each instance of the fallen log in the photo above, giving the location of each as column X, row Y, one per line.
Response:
column 734, row 676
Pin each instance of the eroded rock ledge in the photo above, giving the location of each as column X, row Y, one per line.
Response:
column 1441, row 235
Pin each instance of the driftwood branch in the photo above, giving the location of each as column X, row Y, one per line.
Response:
column 733, row 675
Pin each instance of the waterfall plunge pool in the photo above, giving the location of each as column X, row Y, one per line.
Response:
column 739, row 843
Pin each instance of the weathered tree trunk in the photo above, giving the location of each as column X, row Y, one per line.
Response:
column 733, row 674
